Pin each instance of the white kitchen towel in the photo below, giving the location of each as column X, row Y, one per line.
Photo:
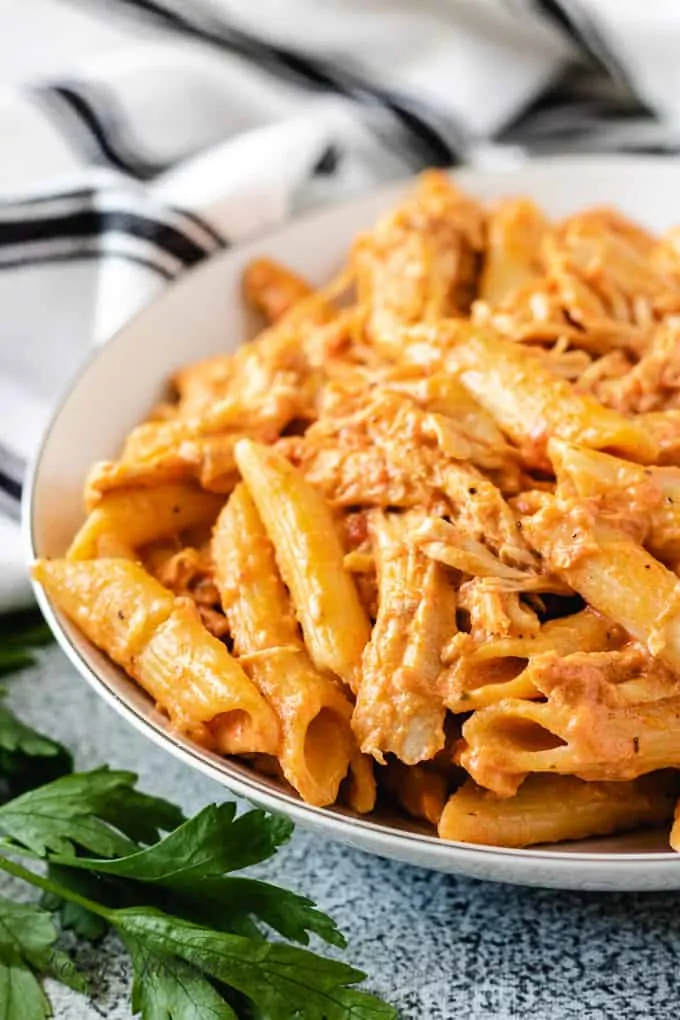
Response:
column 152, row 133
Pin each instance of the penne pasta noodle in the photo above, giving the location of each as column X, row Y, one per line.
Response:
column 129, row 518
column 487, row 673
column 675, row 828
column 160, row 641
column 664, row 428
column 528, row 401
column 515, row 231
column 421, row 792
column 652, row 492
column 360, row 789
column 612, row 572
column 590, row 726
column 399, row 709
column 314, row 714
column 310, row 557
column 550, row 809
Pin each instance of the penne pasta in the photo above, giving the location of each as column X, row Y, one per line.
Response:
column 675, row 828
column 528, row 401
column 311, row 560
column 612, row 572
column 360, row 789
column 314, row 714
column 515, row 231
column 664, row 428
column 421, row 792
column 486, row 673
column 550, row 809
column 126, row 519
column 160, row 641
column 653, row 493
column 589, row 725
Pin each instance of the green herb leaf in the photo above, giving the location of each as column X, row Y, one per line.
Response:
column 21, row 996
column 20, row 632
column 166, row 988
column 285, row 982
column 24, row 628
column 27, row 758
column 192, row 860
column 73, row 812
column 140, row 816
column 17, row 736
column 14, row 659
column 74, row 917
column 211, row 843
column 27, row 937
column 224, row 902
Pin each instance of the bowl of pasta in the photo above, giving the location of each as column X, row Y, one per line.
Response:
column 376, row 521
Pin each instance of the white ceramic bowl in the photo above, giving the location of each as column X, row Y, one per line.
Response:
column 203, row 314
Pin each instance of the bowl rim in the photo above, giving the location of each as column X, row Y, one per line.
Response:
column 385, row 838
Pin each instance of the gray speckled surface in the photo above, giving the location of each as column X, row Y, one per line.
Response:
column 436, row 946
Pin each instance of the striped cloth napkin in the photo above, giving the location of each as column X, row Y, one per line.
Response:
column 156, row 132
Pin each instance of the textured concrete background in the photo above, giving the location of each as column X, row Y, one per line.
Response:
column 434, row 945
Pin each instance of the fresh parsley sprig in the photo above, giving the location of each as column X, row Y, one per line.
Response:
column 107, row 856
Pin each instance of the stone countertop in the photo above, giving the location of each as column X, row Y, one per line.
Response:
column 437, row 946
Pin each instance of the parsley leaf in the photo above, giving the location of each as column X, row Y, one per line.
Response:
column 14, row 659
column 24, row 628
column 285, row 982
column 188, row 962
column 291, row 915
column 140, row 816
column 72, row 916
column 192, row 861
column 94, row 811
column 27, row 758
column 27, row 937
column 167, row 988
column 19, row 633
column 211, row 843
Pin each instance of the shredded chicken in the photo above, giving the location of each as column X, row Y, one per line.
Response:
column 420, row 261
column 188, row 571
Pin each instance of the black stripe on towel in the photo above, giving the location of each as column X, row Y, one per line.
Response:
column 12, row 470
column 85, row 199
column 193, row 217
column 9, row 260
column 95, row 125
column 10, row 486
column 422, row 128
column 578, row 24
column 86, row 194
column 95, row 223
